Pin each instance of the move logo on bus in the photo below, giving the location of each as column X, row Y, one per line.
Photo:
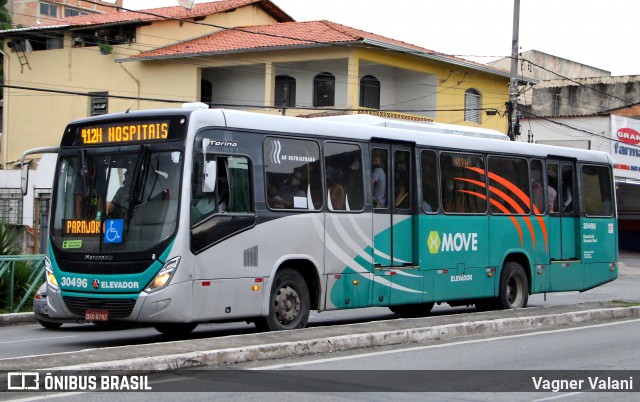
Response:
column 629, row 136
column 452, row 242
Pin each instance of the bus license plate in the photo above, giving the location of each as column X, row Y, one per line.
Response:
column 96, row 315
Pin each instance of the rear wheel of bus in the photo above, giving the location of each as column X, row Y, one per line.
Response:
column 289, row 303
column 514, row 287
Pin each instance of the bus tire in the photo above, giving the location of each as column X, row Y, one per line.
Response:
column 289, row 303
column 178, row 329
column 514, row 287
column 412, row 310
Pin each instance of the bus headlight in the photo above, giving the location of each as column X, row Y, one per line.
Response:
column 51, row 279
column 163, row 277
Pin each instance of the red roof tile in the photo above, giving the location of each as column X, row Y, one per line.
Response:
column 285, row 35
column 269, row 36
column 199, row 10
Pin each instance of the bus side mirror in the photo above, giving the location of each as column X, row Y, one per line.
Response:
column 210, row 176
column 24, row 178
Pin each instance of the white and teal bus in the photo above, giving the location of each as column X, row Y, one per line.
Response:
column 194, row 215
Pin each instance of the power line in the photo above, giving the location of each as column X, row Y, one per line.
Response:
column 628, row 102
column 215, row 104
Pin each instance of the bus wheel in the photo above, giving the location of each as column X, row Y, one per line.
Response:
column 176, row 329
column 514, row 287
column 412, row 310
column 289, row 303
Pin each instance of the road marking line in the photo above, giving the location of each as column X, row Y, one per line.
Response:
column 40, row 339
column 49, row 396
column 551, row 398
column 444, row 345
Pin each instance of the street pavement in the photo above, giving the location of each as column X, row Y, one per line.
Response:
column 210, row 352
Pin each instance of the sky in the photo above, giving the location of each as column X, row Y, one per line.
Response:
column 592, row 32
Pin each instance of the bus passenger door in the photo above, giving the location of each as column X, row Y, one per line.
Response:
column 565, row 268
column 561, row 192
column 393, row 228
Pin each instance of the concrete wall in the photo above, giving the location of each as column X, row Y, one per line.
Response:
column 583, row 96
column 530, row 61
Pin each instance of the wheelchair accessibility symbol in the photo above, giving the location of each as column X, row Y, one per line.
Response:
column 113, row 231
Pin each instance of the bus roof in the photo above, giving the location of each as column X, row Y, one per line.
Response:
column 366, row 128
column 396, row 132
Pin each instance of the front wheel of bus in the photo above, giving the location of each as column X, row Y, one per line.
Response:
column 289, row 303
column 514, row 287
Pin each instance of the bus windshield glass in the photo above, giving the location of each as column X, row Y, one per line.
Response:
column 112, row 202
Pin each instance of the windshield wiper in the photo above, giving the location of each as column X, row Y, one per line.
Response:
column 137, row 182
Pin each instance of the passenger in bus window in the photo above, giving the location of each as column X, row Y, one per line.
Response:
column 275, row 199
column 378, row 182
column 553, row 198
column 401, row 178
column 402, row 196
column 337, row 191
column 537, row 195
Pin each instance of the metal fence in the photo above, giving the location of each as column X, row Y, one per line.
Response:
column 8, row 266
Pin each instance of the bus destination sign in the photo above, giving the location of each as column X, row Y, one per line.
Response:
column 124, row 133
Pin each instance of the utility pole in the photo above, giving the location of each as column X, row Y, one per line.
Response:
column 514, row 125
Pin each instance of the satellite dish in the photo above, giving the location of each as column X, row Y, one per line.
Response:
column 188, row 4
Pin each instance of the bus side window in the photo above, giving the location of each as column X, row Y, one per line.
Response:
column 509, row 185
column 463, row 177
column 537, row 187
column 401, row 177
column 293, row 179
column 429, row 182
column 344, row 178
column 232, row 192
column 552, row 186
column 379, row 190
column 596, row 190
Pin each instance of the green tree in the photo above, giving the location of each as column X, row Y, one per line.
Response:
column 5, row 17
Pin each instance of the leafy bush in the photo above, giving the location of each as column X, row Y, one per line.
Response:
column 8, row 237
column 23, row 272
column 22, row 279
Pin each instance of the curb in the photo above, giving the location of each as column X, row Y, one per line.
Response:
column 357, row 341
column 17, row 318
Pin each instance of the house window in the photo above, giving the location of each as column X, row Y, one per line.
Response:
column 98, row 103
column 285, row 91
column 71, row 12
column 472, row 105
column 50, row 10
column 370, row 92
column 324, row 88
column 11, row 206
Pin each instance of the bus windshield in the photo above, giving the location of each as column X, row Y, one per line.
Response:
column 110, row 202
